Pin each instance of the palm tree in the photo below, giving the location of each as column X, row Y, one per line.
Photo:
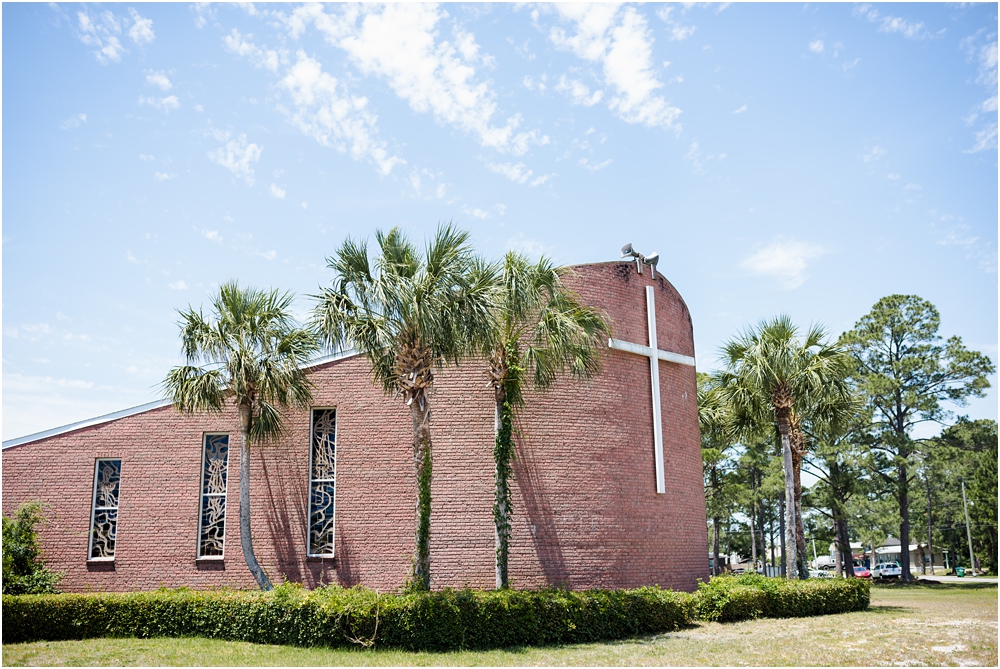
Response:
column 768, row 369
column 251, row 353
column 541, row 330
column 410, row 313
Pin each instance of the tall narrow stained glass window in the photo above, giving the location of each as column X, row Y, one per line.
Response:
column 322, row 481
column 215, row 469
column 104, row 511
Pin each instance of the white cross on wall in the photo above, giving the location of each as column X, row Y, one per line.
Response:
column 655, row 355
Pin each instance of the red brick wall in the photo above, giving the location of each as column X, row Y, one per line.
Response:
column 586, row 513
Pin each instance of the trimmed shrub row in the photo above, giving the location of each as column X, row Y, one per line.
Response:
column 728, row 599
column 334, row 616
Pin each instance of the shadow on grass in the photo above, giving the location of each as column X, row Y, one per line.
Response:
column 884, row 608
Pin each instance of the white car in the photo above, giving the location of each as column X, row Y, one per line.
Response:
column 886, row 570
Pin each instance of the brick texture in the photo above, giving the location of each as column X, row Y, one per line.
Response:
column 586, row 513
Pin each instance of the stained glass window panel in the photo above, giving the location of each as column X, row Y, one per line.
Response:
column 322, row 481
column 212, row 523
column 104, row 513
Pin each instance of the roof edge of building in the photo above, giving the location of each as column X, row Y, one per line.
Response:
column 142, row 408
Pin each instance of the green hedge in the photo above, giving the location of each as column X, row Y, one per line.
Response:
column 338, row 617
column 445, row 620
column 749, row 596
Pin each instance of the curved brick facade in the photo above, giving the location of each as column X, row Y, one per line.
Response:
column 586, row 513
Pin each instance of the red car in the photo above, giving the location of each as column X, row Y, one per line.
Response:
column 861, row 572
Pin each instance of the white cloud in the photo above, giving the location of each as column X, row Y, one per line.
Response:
column 177, row 285
column 212, row 235
column 532, row 85
column 199, row 108
column 816, row 46
column 237, row 156
column 141, row 31
column 475, row 212
column 401, row 44
column 985, row 55
column 267, row 255
column 911, row 186
column 593, row 167
column 146, row 158
column 73, row 121
column 101, row 32
column 785, row 260
column 538, row 181
column 893, row 176
column 620, row 40
column 159, row 79
column 203, row 13
column 677, row 31
column 579, row 92
column 873, row 155
column 163, row 176
column 740, row 110
column 36, row 403
column 260, row 56
column 165, row 104
column 305, row 205
column 325, row 111
column 515, row 172
column 527, row 245
column 277, row 192
column 891, row 24
column 131, row 258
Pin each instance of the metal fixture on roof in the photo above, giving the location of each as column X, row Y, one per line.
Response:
column 640, row 260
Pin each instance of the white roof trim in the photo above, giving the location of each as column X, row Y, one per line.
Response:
column 142, row 408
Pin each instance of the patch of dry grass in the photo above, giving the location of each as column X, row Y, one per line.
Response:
column 906, row 626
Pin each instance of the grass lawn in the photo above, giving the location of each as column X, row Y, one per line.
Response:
column 906, row 625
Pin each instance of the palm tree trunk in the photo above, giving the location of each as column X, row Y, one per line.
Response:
column 245, row 538
column 422, row 464
column 502, row 451
column 790, row 522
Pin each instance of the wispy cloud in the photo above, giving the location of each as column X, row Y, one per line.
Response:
column 785, row 260
column 677, row 30
column 163, row 176
column 980, row 49
column 165, row 104
column 177, row 285
column 875, row 154
column 269, row 59
column 527, row 245
column 620, row 40
column 101, row 31
column 401, row 43
column 740, row 110
column 519, row 173
column 891, row 24
column 816, row 46
column 591, row 166
column 238, row 157
column 579, row 92
column 277, row 191
column 327, row 112
column 158, row 79
column 73, row 121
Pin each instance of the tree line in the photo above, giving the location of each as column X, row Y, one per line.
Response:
column 846, row 411
column 409, row 311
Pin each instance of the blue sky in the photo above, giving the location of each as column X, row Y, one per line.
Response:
column 807, row 159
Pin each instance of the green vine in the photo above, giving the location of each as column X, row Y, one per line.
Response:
column 503, row 455
column 422, row 571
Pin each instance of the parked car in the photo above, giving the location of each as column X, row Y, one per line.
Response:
column 821, row 573
column 886, row 570
column 861, row 572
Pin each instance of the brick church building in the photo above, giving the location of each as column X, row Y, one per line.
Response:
column 607, row 492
